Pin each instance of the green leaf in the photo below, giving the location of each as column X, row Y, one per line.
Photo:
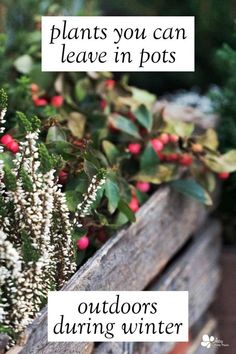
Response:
column 142, row 96
column 223, row 163
column 192, row 189
column 73, row 199
column 125, row 209
column 182, row 129
column 81, row 89
column 124, row 125
column 89, row 168
column 111, row 151
column 76, row 124
column 55, row 134
column 161, row 174
column 112, row 193
column 144, row 117
column 149, row 160
column 24, row 64
column 209, row 139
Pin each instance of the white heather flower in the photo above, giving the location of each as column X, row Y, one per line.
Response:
column 84, row 208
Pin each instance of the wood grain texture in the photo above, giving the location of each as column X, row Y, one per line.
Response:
column 131, row 259
column 196, row 270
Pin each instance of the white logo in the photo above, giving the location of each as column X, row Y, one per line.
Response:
column 207, row 341
column 210, row 341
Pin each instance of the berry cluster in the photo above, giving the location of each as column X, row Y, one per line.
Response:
column 9, row 142
column 55, row 101
column 185, row 158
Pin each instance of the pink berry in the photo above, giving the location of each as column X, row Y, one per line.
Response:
column 185, row 160
column 164, row 138
column 57, row 101
column 13, row 147
column 134, row 148
column 133, row 204
column 83, row 243
column 223, row 175
column 6, row 139
column 157, row 145
column 63, row 177
column 40, row 102
column 173, row 138
column 143, row 186
column 110, row 84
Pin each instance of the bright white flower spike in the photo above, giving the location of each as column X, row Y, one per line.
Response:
column 43, row 216
column 84, row 208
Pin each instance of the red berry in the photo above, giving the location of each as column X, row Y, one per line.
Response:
column 6, row 139
column 63, row 177
column 185, row 159
column 103, row 104
column 83, row 243
column 110, row 84
column 157, row 145
column 134, row 148
column 13, row 147
column 223, row 175
column 143, row 186
column 173, row 138
column 57, row 101
column 164, row 138
column 172, row 157
column 133, row 204
column 34, row 88
column 40, row 102
column 161, row 156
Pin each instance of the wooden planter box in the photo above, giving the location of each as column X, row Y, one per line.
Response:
column 157, row 252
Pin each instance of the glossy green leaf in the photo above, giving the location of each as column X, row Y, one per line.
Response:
column 124, row 208
column 144, row 117
column 73, row 199
column 111, row 151
column 112, row 193
column 149, row 160
column 192, row 189
column 124, row 124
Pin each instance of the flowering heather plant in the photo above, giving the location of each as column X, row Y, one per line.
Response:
column 36, row 246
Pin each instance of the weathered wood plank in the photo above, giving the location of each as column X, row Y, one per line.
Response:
column 4, row 340
column 197, row 270
column 132, row 258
